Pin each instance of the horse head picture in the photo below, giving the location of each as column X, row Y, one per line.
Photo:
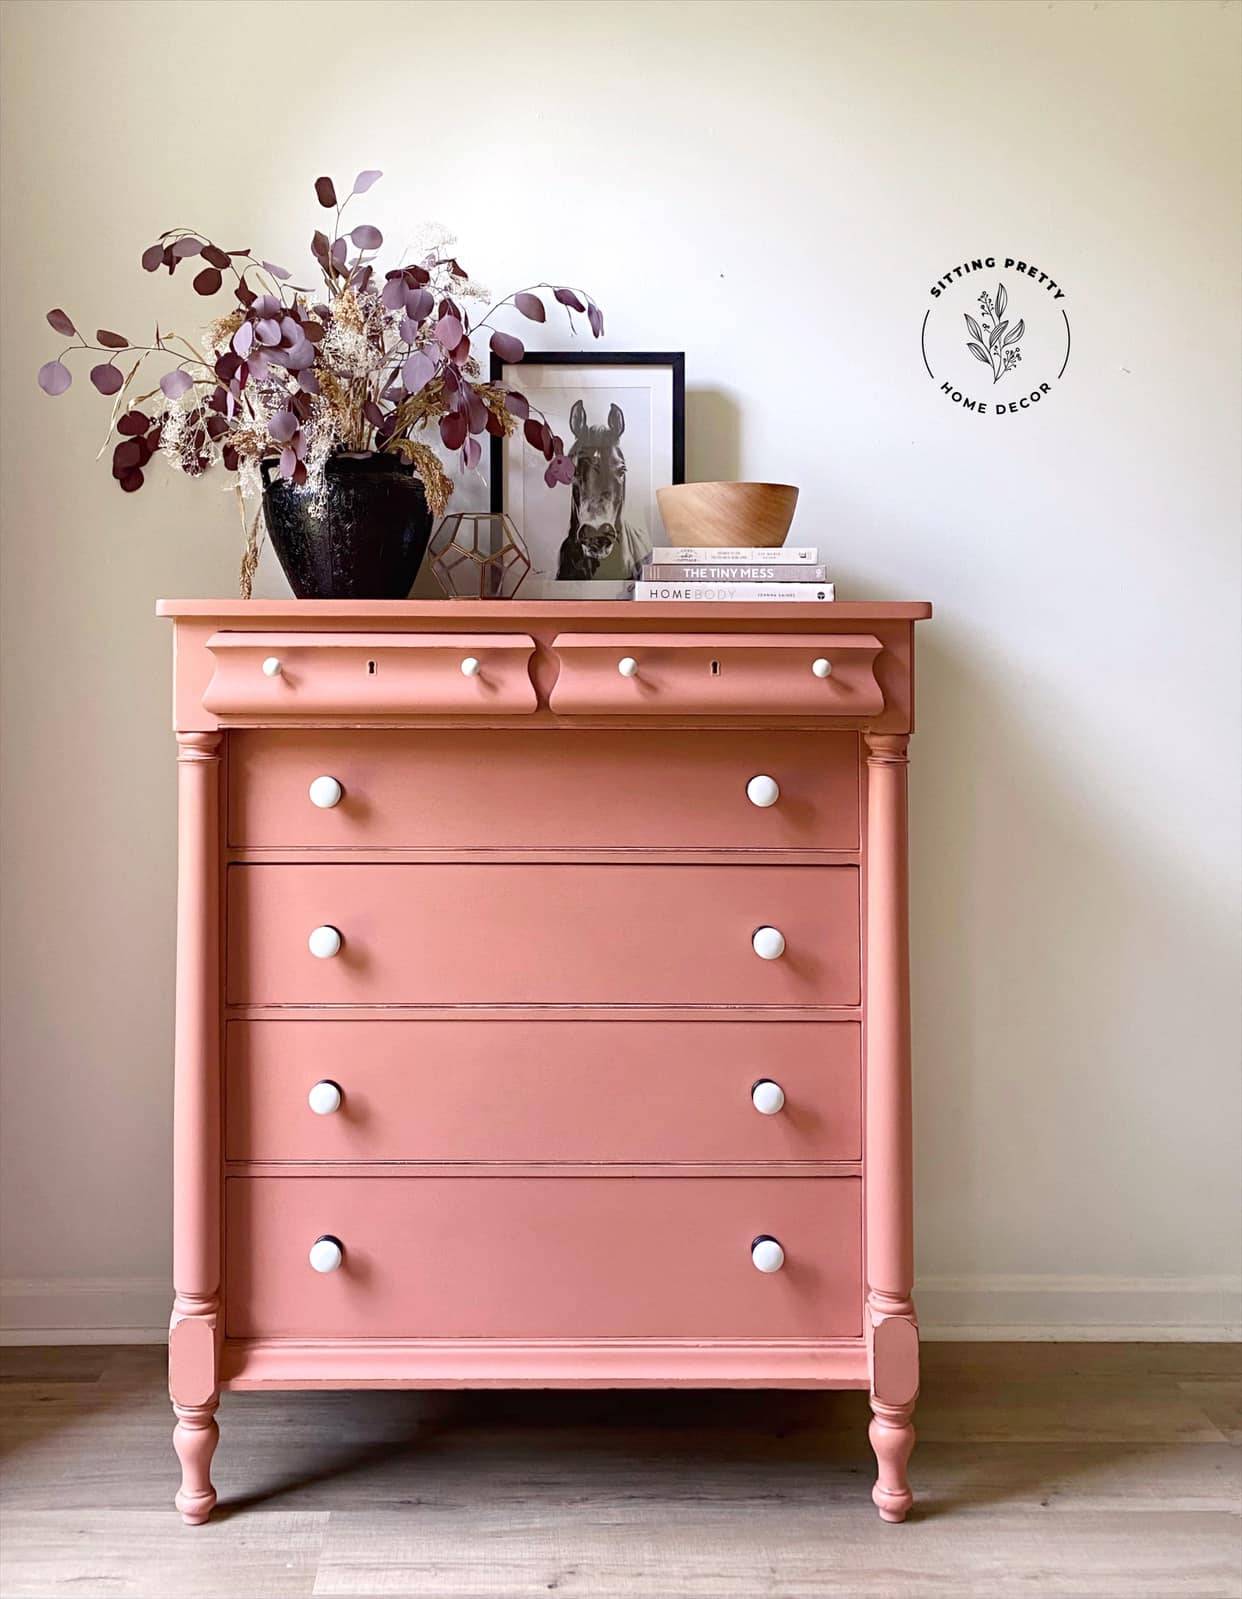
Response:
column 601, row 543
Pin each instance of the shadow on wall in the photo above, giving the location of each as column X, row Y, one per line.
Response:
column 713, row 436
column 1048, row 933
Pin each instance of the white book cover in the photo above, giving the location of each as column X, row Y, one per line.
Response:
column 786, row 554
column 734, row 591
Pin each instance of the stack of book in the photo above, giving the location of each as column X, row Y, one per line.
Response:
column 681, row 572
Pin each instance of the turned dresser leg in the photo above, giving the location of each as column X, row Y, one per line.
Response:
column 193, row 1336
column 194, row 1438
column 891, row 1326
column 892, row 1438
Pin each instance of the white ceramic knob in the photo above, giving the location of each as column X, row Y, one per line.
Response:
column 766, row 1096
column 326, row 1254
column 628, row 666
column 324, row 942
column 821, row 667
column 470, row 667
column 767, row 1254
column 763, row 791
column 768, row 942
column 325, row 792
column 271, row 667
column 325, row 1097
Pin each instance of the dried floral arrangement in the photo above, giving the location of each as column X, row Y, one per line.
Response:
column 366, row 363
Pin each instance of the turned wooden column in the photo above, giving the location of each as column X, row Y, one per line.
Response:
column 192, row 1337
column 892, row 1330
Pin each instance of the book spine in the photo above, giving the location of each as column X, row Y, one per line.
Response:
column 728, row 572
column 738, row 555
column 734, row 591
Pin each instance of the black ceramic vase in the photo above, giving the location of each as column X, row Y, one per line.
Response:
column 362, row 539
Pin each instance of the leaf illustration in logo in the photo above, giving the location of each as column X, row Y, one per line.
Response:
column 976, row 332
column 1015, row 333
column 979, row 353
column 1002, row 300
column 996, row 333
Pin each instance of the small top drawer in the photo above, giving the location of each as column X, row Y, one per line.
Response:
column 728, row 674
column 273, row 677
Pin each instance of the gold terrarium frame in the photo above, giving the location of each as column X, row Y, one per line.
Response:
column 478, row 555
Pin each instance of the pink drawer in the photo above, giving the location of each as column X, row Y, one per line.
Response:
column 547, row 934
column 543, row 790
column 725, row 674
column 275, row 677
column 542, row 1257
column 542, row 1090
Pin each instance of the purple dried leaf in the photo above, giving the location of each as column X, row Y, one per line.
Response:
column 208, row 281
column 340, row 250
column 267, row 305
column 366, row 237
column 314, row 331
column 476, row 412
column 153, row 258
column 107, row 378
column 509, row 349
column 288, row 463
column 187, row 246
column 517, row 404
column 320, row 247
column 60, row 323
column 472, row 452
column 54, row 377
column 325, row 192
column 532, row 431
column 216, row 257
column 393, row 294
column 130, row 481
column 176, row 383
column 283, row 426
column 596, row 318
column 126, row 456
column 453, row 430
column 364, row 180
column 307, row 381
column 257, row 365
column 449, row 331
column 407, row 330
column 290, row 329
column 418, row 302
column 132, row 424
column 530, row 305
column 372, row 413
column 113, row 341
column 569, row 298
column 417, row 371
column 267, row 331
column 275, row 271
column 460, row 353
column 243, row 340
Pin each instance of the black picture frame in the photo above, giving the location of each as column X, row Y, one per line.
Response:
column 673, row 359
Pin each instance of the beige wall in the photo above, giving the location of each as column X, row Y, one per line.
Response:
column 771, row 188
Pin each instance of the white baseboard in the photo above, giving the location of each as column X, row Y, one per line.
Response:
column 84, row 1310
column 100, row 1310
column 1030, row 1308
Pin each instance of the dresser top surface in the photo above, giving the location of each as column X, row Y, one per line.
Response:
column 818, row 612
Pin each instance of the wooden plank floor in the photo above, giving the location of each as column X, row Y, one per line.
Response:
column 1068, row 1471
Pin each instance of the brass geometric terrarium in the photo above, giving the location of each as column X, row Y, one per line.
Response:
column 478, row 555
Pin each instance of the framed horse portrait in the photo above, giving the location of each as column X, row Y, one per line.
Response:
column 621, row 420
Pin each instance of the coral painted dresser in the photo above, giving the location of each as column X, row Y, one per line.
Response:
column 542, row 1003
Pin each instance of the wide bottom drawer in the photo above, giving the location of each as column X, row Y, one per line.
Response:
column 543, row 1257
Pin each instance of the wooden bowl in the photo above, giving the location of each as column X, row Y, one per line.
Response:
column 719, row 515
